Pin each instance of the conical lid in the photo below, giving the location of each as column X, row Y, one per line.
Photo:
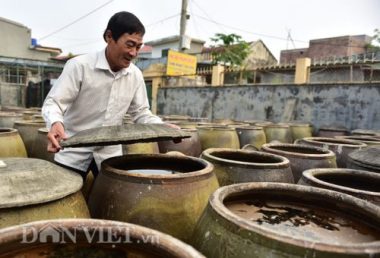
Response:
column 25, row 181
column 124, row 134
column 367, row 156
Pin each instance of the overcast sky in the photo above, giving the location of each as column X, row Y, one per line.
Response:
column 269, row 20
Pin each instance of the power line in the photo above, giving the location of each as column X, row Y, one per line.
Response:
column 162, row 20
column 75, row 21
column 84, row 43
column 202, row 10
column 271, row 36
column 194, row 23
column 249, row 32
column 92, row 41
column 289, row 38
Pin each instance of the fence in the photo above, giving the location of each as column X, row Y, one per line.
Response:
column 351, row 69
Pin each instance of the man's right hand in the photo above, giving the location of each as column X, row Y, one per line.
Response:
column 55, row 135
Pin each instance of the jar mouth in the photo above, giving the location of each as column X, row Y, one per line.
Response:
column 361, row 138
column 346, row 179
column 245, row 158
column 7, row 130
column 103, row 236
column 334, row 141
column 298, row 150
column 157, row 166
column 298, row 195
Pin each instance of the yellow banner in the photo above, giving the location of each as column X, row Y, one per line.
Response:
column 181, row 64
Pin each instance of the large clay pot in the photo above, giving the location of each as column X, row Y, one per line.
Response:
column 141, row 148
column 28, row 114
column 302, row 157
column 285, row 220
column 331, row 132
column 218, row 137
column 361, row 138
column 34, row 189
column 90, row 238
column 253, row 135
column 175, row 118
column 278, row 133
column 237, row 166
column 28, row 131
column 40, row 143
column 188, row 146
column 15, row 109
column 7, row 119
column 141, row 189
column 260, row 123
column 364, row 132
column 186, row 124
column 340, row 147
column 225, row 121
column 365, row 159
column 199, row 119
column 300, row 130
column 359, row 183
column 11, row 143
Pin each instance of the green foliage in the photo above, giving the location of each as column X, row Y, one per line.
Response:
column 230, row 49
column 374, row 46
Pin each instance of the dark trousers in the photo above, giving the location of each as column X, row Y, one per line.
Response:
column 92, row 167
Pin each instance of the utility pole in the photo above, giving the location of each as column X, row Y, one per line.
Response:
column 289, row 38
column 182, row 31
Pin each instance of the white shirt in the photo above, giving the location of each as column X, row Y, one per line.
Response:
column 89, row 94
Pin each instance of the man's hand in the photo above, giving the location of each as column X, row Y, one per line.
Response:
column 175, row 127
column 55, row 135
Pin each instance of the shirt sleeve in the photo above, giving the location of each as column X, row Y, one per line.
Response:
column 139, row 108
column 62, row 94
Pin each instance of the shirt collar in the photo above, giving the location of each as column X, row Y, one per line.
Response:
column 102, row 63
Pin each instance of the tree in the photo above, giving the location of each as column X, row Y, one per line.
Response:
column 374, row 46
column 230, row 49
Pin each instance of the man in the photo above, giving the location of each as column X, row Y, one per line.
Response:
column 96, row 90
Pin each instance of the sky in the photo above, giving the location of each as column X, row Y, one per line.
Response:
column 77, row 26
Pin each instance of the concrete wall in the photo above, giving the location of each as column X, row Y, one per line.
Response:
column 12, row 94
column 350, row 105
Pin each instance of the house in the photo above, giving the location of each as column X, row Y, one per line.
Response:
column 335, row 59
column 16, row 42
column 355, row 68
column 259, row 55
column 161, row 46
column 145, row 52
column 23, row 61
column 328, row 48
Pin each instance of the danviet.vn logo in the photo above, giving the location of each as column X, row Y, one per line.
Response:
column 105, row 235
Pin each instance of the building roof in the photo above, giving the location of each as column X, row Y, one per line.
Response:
column 52, row 50
column 146, row 49
column 252, row 43
column 363, row 37
column 171, row 39
column 13, row 22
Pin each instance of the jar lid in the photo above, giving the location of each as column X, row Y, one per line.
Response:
column 26, row 181
column 124, row 134
column 367, row 156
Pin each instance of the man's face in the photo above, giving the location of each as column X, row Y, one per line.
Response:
column 121, row 52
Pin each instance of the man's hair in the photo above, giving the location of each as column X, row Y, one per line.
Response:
column 124, row 22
